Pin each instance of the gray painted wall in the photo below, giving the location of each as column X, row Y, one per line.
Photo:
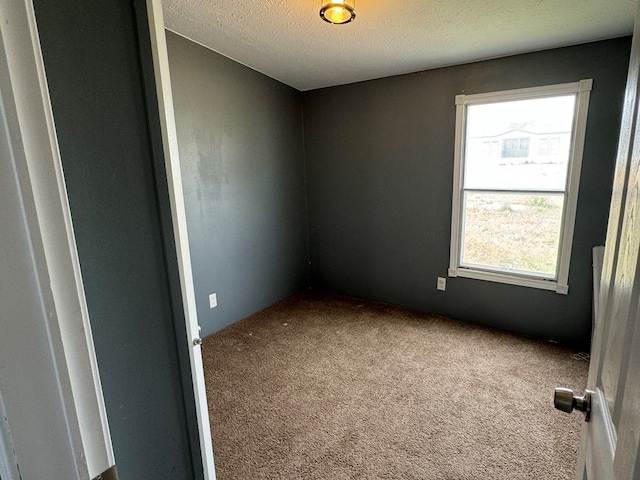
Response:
column 242, row 157
column 380, row 173
column 97, row 63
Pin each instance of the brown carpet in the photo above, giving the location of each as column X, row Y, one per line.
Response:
column 322, row 386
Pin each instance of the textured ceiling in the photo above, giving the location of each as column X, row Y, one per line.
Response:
column 287, row 40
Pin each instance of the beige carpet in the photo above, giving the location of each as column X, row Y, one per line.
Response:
column 322, row 386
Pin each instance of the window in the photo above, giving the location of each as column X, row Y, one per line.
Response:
column 490, row 148
column 515, row 147
column 514, row 207
column 549, row 145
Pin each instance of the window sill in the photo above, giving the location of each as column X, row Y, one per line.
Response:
column 518, row 280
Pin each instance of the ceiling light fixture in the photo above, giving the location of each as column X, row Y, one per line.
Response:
column 338, row 12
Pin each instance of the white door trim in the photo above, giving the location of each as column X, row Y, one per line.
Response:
column 30, row 128
column 179, row 218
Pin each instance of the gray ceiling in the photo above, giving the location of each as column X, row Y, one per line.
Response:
column 287, row 40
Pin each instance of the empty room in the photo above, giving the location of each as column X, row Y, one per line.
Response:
column 347, row 239
column 347, row 187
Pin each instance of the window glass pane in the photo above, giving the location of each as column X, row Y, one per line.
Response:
column 512, row 232
column 520, row 144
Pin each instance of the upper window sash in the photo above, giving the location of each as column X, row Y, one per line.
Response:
column 559, row 284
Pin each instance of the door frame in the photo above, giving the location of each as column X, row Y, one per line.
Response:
column 62, row 328
column 164, row 95
column 48, row 217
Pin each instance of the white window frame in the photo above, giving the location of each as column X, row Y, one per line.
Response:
column 560, row 283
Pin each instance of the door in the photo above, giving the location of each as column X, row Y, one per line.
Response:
column 176, row 197
column 610, row 439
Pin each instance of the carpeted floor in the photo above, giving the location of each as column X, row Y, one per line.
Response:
column 322, row 386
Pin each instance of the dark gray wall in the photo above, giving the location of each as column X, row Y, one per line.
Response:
column 380, row 173
column 242, row 156
column 97, row 60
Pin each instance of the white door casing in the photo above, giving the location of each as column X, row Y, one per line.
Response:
column 610, row 443
column 48, row 371
column 178, row 213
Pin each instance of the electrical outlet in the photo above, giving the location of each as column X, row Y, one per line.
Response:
column 213, row 300
column 442, row 283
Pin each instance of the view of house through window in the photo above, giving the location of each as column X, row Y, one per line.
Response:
column 514, row 185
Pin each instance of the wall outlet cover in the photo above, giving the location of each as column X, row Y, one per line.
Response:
column 213, row 300
column 442, row 283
